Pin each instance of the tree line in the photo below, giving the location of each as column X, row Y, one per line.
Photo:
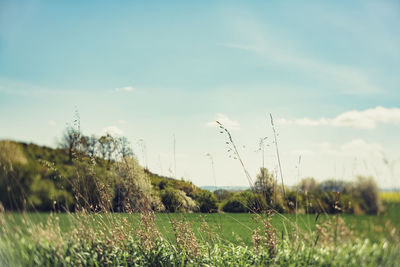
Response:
column 103, row 174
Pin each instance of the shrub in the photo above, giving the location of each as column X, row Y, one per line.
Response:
column 367, row 190
column 222, row 194
column 207, row 201
column 133, row 188
column 307, row 185
column 171, row 199
column 234, row 204
column 245, row 201
column 254, row 202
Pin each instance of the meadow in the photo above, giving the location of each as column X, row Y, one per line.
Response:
column 236, row 228
column 194, row 239
column 75, row 209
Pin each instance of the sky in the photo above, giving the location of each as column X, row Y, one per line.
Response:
column 162, row 72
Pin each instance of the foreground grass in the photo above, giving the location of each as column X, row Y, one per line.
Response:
column 43, row 239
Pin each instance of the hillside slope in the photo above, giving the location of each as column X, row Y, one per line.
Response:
column 34, row 177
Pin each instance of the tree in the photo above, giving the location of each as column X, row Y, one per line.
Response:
column 307, row 185
column 107, row 147
column 265, row 184
column 89, row 144
column 125, row 147
column 70, row 140
column 222, row 194
column 333, row 185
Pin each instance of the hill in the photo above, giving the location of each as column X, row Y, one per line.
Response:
column 227, row 188
column 34, row 177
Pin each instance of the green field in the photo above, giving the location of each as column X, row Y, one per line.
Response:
column 233, row 227
column 69, row 239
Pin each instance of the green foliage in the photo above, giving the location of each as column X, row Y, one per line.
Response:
column 234, row 204
column 367, row 191
column 307, row 185
column 41, row 178
column 222, row 194
column 172, row 200
column 333, row 196
column 265, row 185
column 207, row 202
column 245, row 201
column 44, row 245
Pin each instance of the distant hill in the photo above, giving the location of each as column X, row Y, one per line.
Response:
column 228, row 188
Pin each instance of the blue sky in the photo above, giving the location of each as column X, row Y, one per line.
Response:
column 329, row 74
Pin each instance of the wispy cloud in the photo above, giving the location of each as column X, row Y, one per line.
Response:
column 124, row 89
column 228, row 123
column 364, row 119
column 347, row 79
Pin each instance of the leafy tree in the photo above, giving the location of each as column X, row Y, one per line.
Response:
column 222, row 194
column 307, row 185
column 70, row 140
column 265, row 185
column 125, row 147
column 333, row 185
column 88, row 145
column 107, row 147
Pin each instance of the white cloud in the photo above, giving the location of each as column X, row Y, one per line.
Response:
column 51, row 123
column 364, row 119
column 122, row 122
column 126, row 89
column 225, row 121
column 112, row 130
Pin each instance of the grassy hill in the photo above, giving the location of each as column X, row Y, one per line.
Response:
column 34, row 177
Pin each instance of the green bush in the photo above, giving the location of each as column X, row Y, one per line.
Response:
column 234, row 204
column 245, row 201
column 171, row 200
column 367, row 191
column 222, row 194
column 207, row 202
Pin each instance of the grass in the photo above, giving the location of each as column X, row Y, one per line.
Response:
column 39, row 239
column 236, row 228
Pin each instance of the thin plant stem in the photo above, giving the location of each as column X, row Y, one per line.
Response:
column 277, row 154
